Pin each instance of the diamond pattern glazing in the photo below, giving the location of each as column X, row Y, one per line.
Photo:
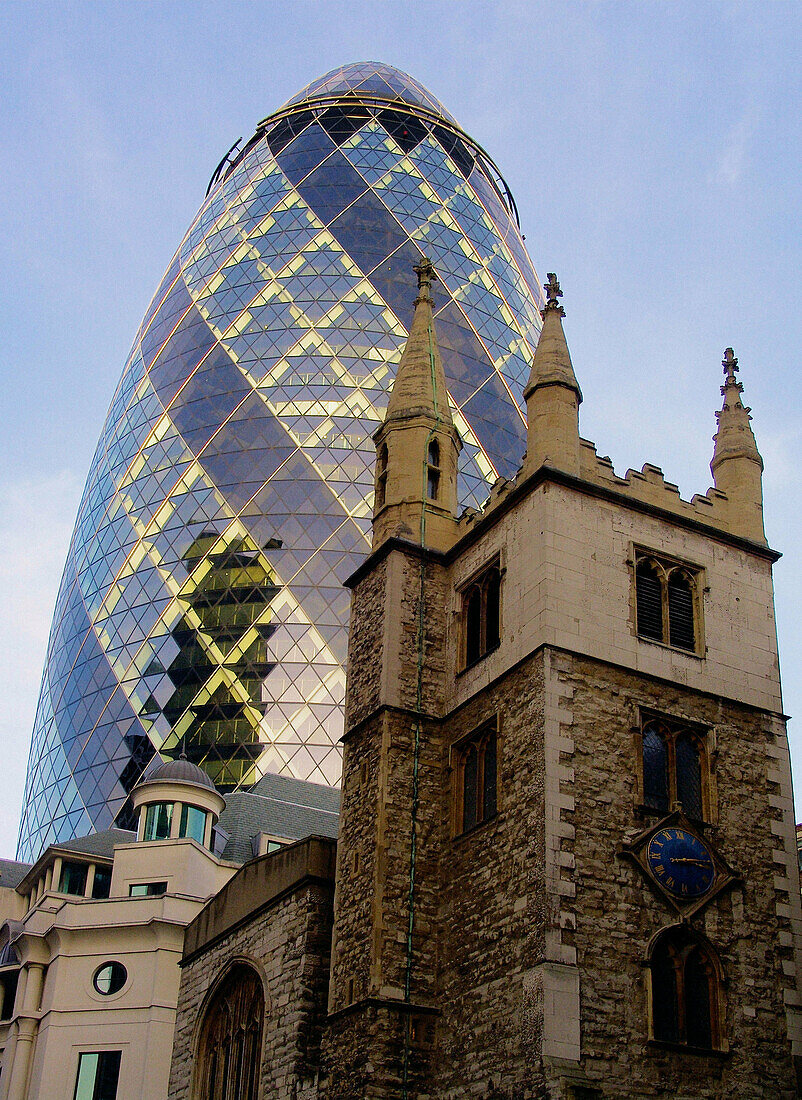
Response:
column 231, row 490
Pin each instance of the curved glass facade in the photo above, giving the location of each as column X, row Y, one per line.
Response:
column 230, row 493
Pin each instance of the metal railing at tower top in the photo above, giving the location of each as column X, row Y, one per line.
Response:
column 372, row 105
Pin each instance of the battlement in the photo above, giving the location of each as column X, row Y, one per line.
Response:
column 647, row 486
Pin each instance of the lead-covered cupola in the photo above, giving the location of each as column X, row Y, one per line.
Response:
column 177, row 800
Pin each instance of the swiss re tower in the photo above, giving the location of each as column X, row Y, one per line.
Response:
column 201, row 607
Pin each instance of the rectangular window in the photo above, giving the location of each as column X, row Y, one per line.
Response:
column 481, row 615
column 193, row 822
column 98, row 1075
column 675, row 767
column 158, row 819
column 667, row 601
column 73, row 879
column 146, row 889
column 476, row 772
column 101, row 887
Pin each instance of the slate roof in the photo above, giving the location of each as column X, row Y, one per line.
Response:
column 279, row 805
column 12, row 873
column 99, row 844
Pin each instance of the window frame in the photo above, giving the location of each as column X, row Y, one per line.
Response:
column 679, row 944
column 152, row 810
column 433, row 471
column 666, row 565
column 147, row 889
column 101, row 1055
column 478, row 584
column 674, row 730
column 380, row 489
column 477, row 739
column 116, row 969
column 69, row 867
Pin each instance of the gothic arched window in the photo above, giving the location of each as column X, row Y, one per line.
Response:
column 230, row 1047
column 655, row 769
column 686, row 996
column 476, row 772
column 666, row 604
column 481, row 615
column 675, row 768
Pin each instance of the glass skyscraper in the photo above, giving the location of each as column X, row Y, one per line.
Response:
column 201, row 607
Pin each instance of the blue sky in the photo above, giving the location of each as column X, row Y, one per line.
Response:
column 653, row 151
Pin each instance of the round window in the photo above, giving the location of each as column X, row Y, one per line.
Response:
column 110, row 978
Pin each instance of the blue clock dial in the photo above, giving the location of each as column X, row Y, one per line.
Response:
column 681, row 863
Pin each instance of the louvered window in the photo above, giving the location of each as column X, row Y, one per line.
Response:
column 650, row 601
column 666, row 602
column 674, row 767
column 680, row 610
column 433, row 470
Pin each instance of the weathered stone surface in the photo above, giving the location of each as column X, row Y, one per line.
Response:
column 286, row 938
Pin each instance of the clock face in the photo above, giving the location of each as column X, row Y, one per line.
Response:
column 681, row 863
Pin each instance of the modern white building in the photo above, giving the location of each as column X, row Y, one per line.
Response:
column 93, row 932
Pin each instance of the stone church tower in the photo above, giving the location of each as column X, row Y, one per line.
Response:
column 566, row 864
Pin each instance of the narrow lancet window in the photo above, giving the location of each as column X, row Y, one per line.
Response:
column 433, row 470
column 381, row 477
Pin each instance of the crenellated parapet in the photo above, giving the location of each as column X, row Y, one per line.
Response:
column 733, row 505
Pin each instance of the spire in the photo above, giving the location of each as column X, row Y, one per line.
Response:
column 552, row 365
column 552, row 394
column 737, row 465
column 734, row 438
column 417, row 445
column 420, row 382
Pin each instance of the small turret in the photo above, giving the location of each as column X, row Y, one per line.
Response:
column 177, row 800
column 417, row 446
column 552, row 395
column 737, row 467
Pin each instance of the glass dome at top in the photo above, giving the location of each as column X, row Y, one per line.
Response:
column 230, row 495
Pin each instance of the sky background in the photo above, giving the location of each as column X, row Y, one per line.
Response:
column 652, row 149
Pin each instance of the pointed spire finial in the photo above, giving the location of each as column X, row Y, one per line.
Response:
column 553, row 292
column 426, row 276
column 730, row 365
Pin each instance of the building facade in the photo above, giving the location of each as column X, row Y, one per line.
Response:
column 566, row 864
column 92, row 934
column 230, row 493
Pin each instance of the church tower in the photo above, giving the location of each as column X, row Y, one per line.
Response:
column 384, row 971
column 567, row 861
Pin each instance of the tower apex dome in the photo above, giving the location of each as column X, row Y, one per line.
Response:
column 371, row 78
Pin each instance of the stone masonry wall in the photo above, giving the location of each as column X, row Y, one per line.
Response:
column 617, row 913
column 494, row 910
column 376, row 970
column 288, row 945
